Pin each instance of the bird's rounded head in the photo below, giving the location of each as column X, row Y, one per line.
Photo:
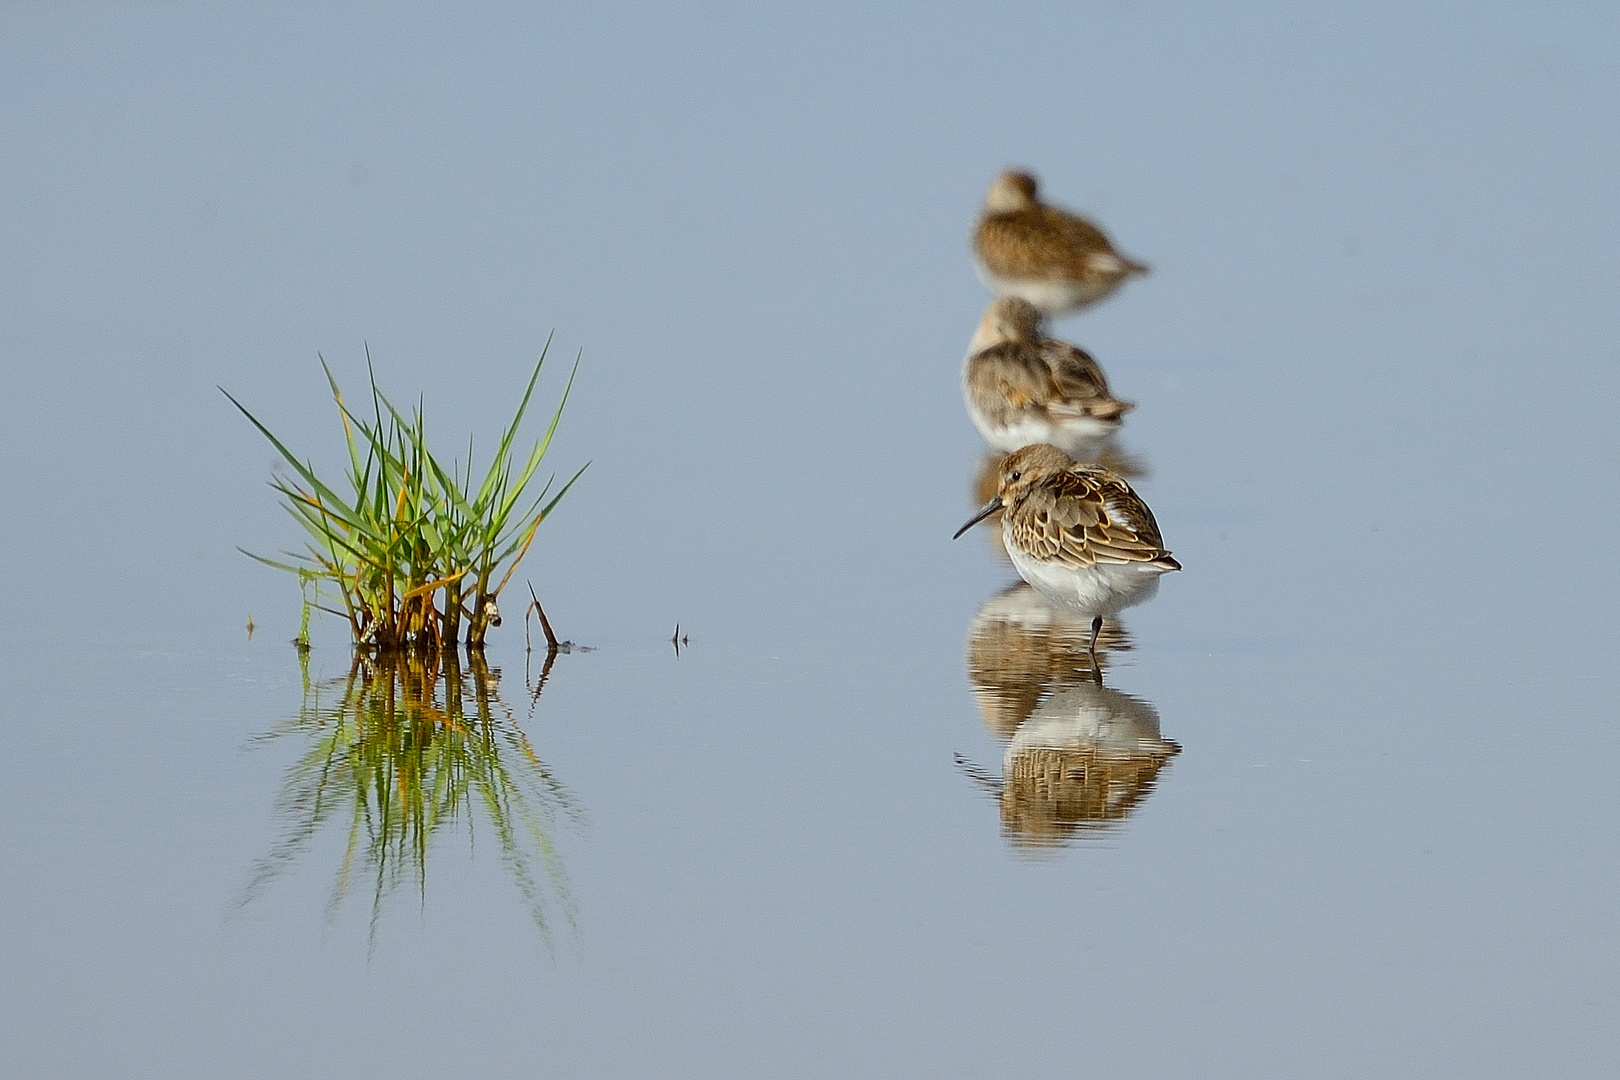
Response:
column 1012, row 190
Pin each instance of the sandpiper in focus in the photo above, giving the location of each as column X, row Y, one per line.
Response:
column 1078, row 533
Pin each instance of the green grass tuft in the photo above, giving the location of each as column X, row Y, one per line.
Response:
column 414, row 551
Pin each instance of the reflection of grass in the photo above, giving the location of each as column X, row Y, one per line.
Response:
column 400, row 749
column 411, row 548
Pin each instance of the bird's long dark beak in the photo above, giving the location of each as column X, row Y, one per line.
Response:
column 989, row 508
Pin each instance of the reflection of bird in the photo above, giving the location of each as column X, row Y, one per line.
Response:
column 1054, row 259
column 1078, row 533
column 1084, row 759
column 1022, row 649
column 1023, row 387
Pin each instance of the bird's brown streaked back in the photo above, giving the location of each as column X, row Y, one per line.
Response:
column 1078, row 515
column 1016, row 370
column 1020, row 237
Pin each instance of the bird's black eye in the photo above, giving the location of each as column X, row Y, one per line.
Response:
column 1014, row 475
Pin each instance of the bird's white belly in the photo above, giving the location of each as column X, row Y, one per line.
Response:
column 1054, row 297
column 1099, row 589
column 1079, row 436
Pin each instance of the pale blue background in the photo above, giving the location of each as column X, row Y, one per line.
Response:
column 1376, row 368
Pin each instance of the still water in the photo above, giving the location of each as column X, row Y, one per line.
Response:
column 1339, row 802
column 918, row 846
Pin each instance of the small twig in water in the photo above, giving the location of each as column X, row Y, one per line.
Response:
column 984, row 779
column 552, row 644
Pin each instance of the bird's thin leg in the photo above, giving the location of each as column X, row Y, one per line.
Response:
column 1096, row 628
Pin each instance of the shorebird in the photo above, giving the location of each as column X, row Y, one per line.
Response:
column 1056, row 260
column 1078, row 533
column 1023, row 387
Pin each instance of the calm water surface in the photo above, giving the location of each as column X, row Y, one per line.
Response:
column 1340, row 802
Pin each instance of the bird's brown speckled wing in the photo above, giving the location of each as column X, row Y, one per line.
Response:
column 1052, row 378
column 1009, row 380
column 1086, row 516
column 1040, row 242
column 1081, row 384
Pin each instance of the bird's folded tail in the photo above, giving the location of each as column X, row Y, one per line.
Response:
column 1108, row 408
